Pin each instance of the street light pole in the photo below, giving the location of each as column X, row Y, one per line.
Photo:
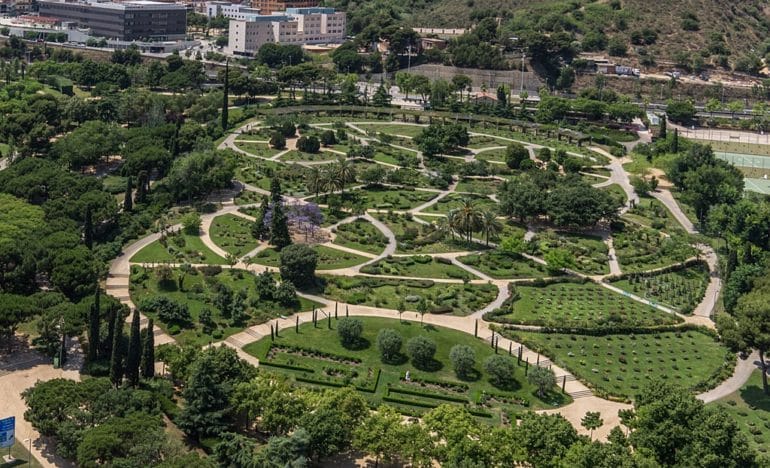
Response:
column 521, row 83
column 29, row 461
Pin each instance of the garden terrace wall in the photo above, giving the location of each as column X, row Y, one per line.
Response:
column 658, row 271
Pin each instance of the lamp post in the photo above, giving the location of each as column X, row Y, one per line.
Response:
column 29, row 442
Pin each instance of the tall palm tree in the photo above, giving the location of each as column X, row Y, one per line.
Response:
column 444, row 225
column 329, row 181
column 490, row 225
column 467, row 219
column 344, row 172
column 315, row 181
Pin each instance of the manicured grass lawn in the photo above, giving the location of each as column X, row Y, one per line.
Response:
column 233, row 234
column 391, row 155
column 457, row 299
column 589, row 252
column 750, row 407
column 178, row 248
column 620, row 365
column 261, row 150
column 479, row 186
column 328, row 258
column 248, row 197
column 492, row 155
column 384, row 197
column 681, row 290
column 617, row 192
column 504, row 266
column 300, row 156
column 736, row 147
column 414, row 237
column 422, row 266
column 259, row 173
column 199, row 293
column 382, row 381
column 455, row 200
column 361, row 235
column 652, row 213
column 393, row 129
column 640, row 249
column 21, row 455
column 485, row 141
column 585, row 305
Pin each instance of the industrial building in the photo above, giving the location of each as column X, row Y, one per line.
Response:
column 126, row 21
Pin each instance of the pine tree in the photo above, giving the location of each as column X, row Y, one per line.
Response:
column 88, row 229
column 128, row 201
column 116, row 361
column 381, row 97
column 148, row 352
column 93, row 327
column 226, row 92
column 275, row 190
column 134, row 351
column 279, row 228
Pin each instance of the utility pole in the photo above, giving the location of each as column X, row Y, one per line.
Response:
column 409, row 57
column 521, row 89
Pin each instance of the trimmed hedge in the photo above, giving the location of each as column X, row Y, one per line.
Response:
column 620, row 330
column 313, row 352
column 286, row 366
column 436, row 396
column 453, row 386
column 659, row 271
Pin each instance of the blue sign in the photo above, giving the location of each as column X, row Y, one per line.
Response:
column 7, row 427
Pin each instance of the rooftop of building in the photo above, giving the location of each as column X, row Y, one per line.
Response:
column 127, row 5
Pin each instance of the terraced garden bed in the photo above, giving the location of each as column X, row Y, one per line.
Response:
column 233, row 234
column 361, row 235
column 680, row 289
column 423, row 266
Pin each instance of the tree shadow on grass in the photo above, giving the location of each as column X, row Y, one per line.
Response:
column 396, row 360
column 430, row 366
column 755, row 397
column 471, row 376
column 508, row 385
column 358, row 345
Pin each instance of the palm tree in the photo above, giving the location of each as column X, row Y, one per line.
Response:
column 490, row 225
column 315, row 181
column 467, row 219
column 344, row 172
column 329, row 181
column 444, row 224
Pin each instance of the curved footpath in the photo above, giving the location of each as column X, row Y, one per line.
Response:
column 584, row 400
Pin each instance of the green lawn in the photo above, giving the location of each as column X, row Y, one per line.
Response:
column 620, row 365
column 247, row 197
column 457, row 299
column 681, row 290
column 199, row 292
column 20, row 454
column 383, row 198
column 233, row 234
column 390, row 155
column 492, row 155
column 503, row 266
column 651, row 213
column 589, row 252
column 585, row 305
column 260, row 172
column 261, row 150
column 640, row 249
column 617, row 193
column 479, row 186
column 384, row 382
column 485, row 141
column 750, row 407
column 328, row 258
column 422, row 266
column 178, row 248
column 455, row 200
column 414, row 237
column 393, row 129
column 294, row 155
column 361, row 235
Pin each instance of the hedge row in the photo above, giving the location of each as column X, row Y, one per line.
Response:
column 286, row 366
column 660, row 271
column 435, row 396
column 441, row 383
column 620, row 330
column 314, row 352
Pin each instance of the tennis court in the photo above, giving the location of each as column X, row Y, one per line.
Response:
column 758, row 185
column 744, row 160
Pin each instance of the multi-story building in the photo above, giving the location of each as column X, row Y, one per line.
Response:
column 268, row 7
column 230, row 10
column 293, row 26
column 127, row 21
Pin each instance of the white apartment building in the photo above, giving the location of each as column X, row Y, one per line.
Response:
column 233, row 11
column 312, row 25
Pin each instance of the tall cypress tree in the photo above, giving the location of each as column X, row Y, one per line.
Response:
column 106, row 350
column 134, row 351
column 116, row 361
column 148, row 352
column 258, row 229
column 279, row 228
column 128, row 201
column 675, row 141
column 275, row 190
column 141, row 186
column 663, row 127
column 93, row 327
column 88, row 229
column 226, row 92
